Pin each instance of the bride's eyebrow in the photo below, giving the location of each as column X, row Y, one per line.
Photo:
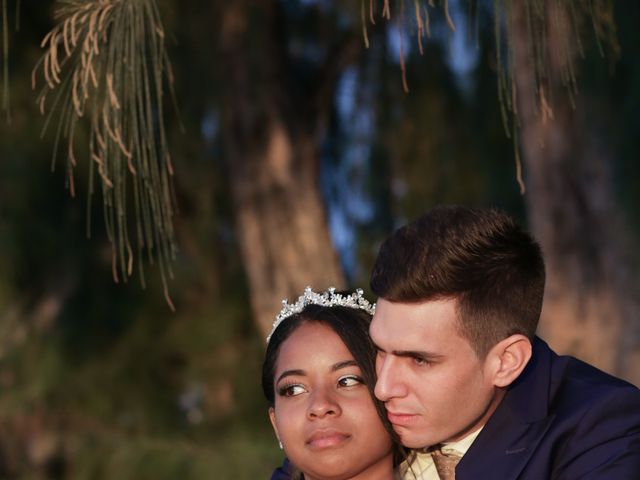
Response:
column 291, row 373
column 302, row 373
column 345, row 364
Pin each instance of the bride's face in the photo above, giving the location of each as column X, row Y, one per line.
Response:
column 323, row 414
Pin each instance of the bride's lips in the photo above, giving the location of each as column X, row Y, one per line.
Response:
column 401, row 419
column 327, row 438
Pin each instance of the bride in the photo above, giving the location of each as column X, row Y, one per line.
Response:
column 318, row 377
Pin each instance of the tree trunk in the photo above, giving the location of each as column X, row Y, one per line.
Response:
column 589, row 309
column 271, row 140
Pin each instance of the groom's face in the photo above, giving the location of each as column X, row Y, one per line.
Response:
column 434, row 386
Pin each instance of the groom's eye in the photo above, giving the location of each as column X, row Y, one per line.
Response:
column 420, row 361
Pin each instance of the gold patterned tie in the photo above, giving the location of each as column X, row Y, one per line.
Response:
column 445, row 464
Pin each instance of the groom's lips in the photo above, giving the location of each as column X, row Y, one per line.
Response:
column 401, row 419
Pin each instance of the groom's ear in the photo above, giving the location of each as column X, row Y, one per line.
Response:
column 507, row 359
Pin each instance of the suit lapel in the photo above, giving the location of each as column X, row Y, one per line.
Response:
column 503, row 451
column 513, row 432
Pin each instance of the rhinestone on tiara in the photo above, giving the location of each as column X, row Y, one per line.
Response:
column 328, row 298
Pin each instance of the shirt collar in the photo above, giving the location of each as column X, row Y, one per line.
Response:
column 460, row 447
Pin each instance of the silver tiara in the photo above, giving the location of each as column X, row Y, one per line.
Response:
column 328, row 298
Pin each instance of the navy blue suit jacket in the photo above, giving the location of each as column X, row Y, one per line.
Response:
column 282, row 473
column 563, row 420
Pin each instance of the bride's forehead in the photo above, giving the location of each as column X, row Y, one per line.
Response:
column 311, row 341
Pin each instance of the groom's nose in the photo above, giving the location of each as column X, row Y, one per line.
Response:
column 388, row 384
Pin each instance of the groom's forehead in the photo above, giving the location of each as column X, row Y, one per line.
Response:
column 414, row 327
column 418, row 314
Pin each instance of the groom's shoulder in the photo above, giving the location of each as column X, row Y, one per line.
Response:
column 576, row 385
column 578, row 375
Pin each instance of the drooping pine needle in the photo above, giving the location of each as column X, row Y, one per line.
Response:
column 364, row 24
column 537, row 19
column 105, row 65
column 5, row 62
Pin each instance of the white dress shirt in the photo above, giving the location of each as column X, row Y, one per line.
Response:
column 423, row 468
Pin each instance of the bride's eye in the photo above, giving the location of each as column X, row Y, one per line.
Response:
column 291, row 390
column 350, row 381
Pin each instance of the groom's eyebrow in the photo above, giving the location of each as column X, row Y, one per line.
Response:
column 411, row 353
column 423, row 355
column 416, row 354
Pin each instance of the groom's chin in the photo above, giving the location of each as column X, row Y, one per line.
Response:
column 408, row 439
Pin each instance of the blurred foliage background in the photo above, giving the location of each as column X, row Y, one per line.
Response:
column 296, row 151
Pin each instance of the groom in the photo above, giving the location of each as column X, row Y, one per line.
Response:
column 462, row 374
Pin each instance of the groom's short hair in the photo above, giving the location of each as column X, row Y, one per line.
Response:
column 480, row 257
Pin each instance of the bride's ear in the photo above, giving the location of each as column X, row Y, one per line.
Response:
column 272, row 417
column 507, row 359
